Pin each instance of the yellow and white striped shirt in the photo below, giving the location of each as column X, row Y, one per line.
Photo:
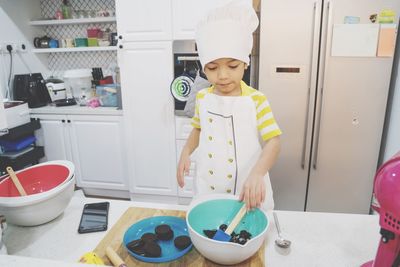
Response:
column 266, row 124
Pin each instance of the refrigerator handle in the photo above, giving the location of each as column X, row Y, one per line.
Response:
column 303, row 154
column 318, row 125
column 317, row 134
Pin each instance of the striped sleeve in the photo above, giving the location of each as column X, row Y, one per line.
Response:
column 196, row 117
column 266, row 124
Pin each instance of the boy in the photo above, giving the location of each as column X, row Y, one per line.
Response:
column 231, row 117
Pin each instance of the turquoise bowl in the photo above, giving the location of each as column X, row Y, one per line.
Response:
column 210, row 212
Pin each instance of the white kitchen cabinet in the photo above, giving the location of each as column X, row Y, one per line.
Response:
column 146, row 75
column 140, row 20
column 54, row 136
column 93, row 143
column 187, row 13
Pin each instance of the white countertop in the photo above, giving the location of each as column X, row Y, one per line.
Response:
column 76, row 110
column 318, row 239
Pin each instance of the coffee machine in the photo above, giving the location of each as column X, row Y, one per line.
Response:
column 31, row 88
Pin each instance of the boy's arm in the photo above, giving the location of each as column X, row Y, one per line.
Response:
column 253, row 191
column 192, row 142
column 184, row 162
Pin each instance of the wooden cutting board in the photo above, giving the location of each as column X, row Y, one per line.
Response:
column 132, row 215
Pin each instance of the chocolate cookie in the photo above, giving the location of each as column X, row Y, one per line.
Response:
column 136, row 246
column 149, row 237
column 164, row 232
column 209, row 233
column 152, row 249
column 182, row 242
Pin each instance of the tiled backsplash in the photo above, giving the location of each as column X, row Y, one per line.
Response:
column 58, row 62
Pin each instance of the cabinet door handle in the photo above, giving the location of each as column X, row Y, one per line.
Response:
column 63, row 121
column 69, row 121
column 120, row 37
column 121, row 46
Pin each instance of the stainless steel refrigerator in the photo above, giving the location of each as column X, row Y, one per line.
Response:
column 328, row 91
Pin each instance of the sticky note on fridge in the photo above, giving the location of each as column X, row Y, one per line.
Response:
column 354, row 40
column 387, row 40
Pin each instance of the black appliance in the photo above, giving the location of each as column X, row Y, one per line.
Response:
column 189, row 63
column 31, row 88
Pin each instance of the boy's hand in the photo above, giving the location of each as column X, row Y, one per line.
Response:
column 183, row 169
column 253, row 192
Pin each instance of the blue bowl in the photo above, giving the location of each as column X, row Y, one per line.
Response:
column 168, row 250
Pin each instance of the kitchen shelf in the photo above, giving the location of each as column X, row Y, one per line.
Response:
column 74, row 49
column 72, row 21
column 21, row 131
column 23, row 160
column 23, row 157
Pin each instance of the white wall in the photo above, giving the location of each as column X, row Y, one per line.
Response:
column 14, row 28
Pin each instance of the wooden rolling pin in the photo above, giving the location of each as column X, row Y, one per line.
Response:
column 114, row 258
column 15, row 180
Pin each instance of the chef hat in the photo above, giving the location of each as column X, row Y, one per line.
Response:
column 227, row 32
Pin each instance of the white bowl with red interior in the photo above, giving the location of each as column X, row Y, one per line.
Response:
column 209, row 212
column 49, row 187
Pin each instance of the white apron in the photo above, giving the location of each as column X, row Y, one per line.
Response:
column 229, row 146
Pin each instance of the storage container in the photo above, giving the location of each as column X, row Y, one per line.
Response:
column 78, row 83
column 17, row 113
column 93, row 42
column 107, row 95
column 81, row 42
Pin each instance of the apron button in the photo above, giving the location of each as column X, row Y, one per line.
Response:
column 230, row 142
column 210, row 138
column 210, row 120
column 230, row 176
column 211, row 172
column 229, row 190
column 210, row 155
column 212, row 187
column 230, row 160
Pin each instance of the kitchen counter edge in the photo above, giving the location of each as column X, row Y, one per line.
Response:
column 76, row 110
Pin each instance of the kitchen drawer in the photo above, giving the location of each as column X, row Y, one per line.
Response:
column 183, row 127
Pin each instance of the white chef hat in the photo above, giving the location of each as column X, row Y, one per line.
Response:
column 227, row 32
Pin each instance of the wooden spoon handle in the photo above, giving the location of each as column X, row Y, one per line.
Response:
column 114, row 257
column 15, row 180
column 236, row 220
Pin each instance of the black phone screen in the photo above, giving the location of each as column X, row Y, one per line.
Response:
column 94, row 217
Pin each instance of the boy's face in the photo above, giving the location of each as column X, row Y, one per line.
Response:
column 225, row 74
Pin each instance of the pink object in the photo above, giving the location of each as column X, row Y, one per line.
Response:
column 93, row 32
column 35, row 180
column 59, row 15
column 94, row 103
column 387, row 193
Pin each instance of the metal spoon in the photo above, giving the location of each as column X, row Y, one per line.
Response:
column 280, row 242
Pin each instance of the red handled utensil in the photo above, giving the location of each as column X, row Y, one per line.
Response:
column 226, row 236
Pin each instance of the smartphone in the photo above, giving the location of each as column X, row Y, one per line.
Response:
column 94, row 217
